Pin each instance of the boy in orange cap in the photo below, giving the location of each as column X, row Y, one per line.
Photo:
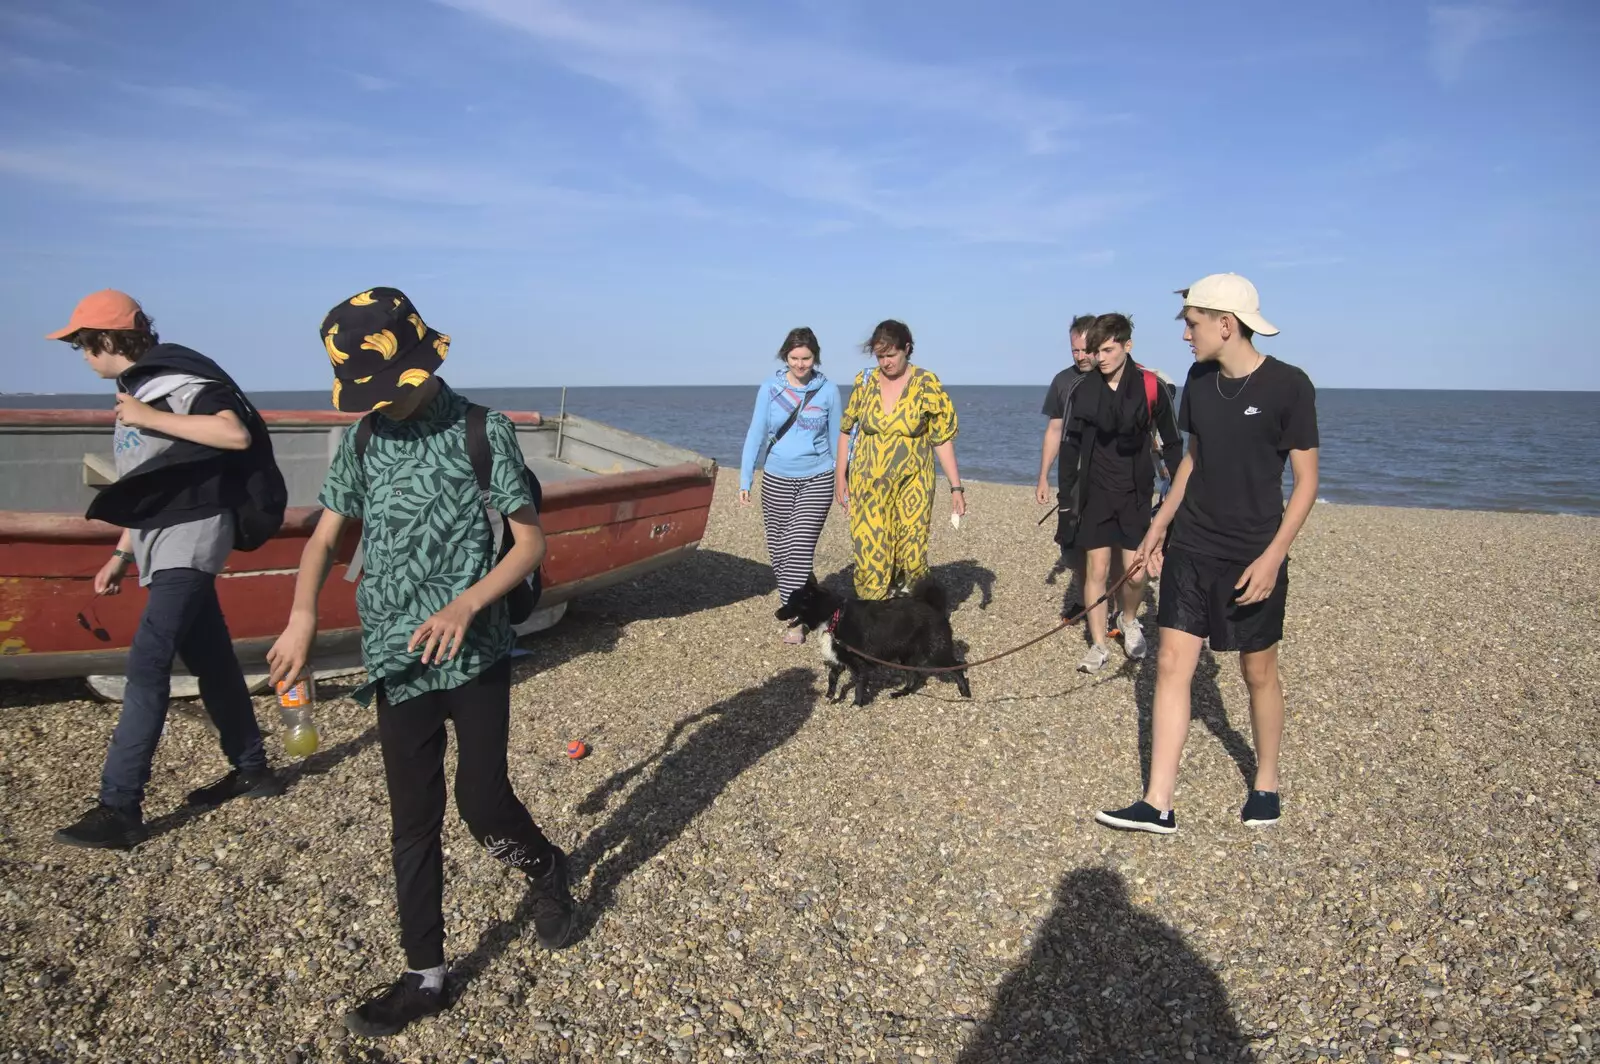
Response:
column 178, row 413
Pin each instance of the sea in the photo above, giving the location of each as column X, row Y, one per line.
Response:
column 1534, row 452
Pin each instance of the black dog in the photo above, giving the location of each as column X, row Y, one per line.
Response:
column 909, row 630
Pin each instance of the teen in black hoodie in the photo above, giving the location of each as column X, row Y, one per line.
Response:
column 1107, row 474
column 187, row 444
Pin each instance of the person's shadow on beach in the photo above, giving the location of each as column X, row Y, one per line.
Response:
column 685, row 775
column 1106, row 982
column 702, row 580
column 961, row 579
column 318, row 764
column 1205, row 699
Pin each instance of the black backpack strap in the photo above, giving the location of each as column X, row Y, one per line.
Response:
column 478, row 449
column 363, row 434
column 793, row 414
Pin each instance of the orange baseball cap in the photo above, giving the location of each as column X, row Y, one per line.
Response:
column 105, row 309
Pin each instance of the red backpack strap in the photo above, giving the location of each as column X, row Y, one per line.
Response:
column 1150, row 385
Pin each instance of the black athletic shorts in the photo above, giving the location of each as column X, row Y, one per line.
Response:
column 1103, row 525
column 1197, row 596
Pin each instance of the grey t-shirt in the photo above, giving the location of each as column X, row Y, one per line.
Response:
column 204, row 544
column 1058, row 400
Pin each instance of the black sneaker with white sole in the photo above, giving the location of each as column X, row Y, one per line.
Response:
column 387, row 1010
column 553, row 907
column 105, row 828
column 1260, row 809
column 1140, row 816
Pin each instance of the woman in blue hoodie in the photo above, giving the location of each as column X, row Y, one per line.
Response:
column 796, row 422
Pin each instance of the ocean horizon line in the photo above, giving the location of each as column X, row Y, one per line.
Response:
column 746, row 384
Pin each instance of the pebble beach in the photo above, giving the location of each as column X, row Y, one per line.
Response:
column 766, row 876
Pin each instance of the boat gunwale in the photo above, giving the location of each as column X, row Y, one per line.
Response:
column 69, row 418
column 58, row 527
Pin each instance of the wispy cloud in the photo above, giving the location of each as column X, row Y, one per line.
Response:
column 372, row 199
column 16, row 64
column 20, row 23
column 960, row 149
column 1457, row 31
column 371, row 83
column 210, row 99
column 1386, row 157
column 675, row 57
column 1302, row 261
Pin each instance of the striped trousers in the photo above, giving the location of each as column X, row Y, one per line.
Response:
column 794, row 512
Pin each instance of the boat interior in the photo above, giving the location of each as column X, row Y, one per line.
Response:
column 56, row 465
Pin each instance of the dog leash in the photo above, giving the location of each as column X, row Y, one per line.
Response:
column 1065, row 623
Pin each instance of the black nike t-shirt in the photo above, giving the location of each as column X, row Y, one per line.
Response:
column 1243, row 430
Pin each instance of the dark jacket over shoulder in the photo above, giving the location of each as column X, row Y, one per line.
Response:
column 1096, row 406
column 187, row 481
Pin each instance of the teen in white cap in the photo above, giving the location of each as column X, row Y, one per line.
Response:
column 1221, row 540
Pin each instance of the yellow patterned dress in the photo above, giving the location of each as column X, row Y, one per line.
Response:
column 891, row 478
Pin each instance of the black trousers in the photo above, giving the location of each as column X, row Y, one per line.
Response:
column 412, row 736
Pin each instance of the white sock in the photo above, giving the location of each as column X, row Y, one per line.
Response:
column 432, row 978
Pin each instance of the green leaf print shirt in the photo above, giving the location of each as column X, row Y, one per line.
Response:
column 425, row 539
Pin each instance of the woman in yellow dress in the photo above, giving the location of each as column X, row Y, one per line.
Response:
column 902, row 420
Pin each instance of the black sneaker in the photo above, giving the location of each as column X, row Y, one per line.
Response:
column 251, row 783
column 1140, row 816
column 105, row 828
column 1260, row 809
column 388, row 1009
column 552, row 903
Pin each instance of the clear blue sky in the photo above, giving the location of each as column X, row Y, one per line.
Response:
column 590, row 192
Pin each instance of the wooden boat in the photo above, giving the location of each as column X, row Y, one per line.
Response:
column 616, row 506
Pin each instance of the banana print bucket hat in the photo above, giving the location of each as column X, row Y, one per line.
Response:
column 379, row 346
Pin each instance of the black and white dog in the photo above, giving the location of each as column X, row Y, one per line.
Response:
column 909, row 630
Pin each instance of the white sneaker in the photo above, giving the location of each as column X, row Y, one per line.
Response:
column 1132, row 636
column 1095, row 659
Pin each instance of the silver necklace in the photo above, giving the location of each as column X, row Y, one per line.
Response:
column 1243, row 386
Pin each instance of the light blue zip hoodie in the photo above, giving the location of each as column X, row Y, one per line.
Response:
column 807, row 449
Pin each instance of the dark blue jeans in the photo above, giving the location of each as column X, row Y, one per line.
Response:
column 182, row 620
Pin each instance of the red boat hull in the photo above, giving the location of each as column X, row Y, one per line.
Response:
column 601, row 530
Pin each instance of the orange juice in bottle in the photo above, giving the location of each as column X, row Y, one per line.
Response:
column 295, row 699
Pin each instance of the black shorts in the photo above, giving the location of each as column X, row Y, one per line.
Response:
column 1197, row 596
column 1104, row 525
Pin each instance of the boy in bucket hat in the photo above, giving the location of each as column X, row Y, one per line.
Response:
column 436, row 636
column 1225, row 566
column 185, row 441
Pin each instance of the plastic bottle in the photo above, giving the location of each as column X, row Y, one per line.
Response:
column 294, row 705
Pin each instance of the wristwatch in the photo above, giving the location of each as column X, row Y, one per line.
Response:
column 957, row 487
column 126, row 556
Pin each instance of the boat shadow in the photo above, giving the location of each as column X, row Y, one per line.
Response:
column 41, row 694
column 698, row 759
column 1106, row 981
column 703, row 580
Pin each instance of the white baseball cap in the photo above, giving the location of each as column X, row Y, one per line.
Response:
column 1231, row 294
